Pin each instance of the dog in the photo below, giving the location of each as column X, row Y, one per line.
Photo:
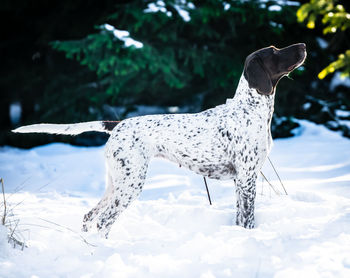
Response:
column 228, row 142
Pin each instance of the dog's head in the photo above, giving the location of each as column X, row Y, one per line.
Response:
column 265, row 67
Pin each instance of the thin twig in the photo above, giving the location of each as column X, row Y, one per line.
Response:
column 5, row 207
column 36, row 191
column 16, row 242
column 41, row 226
column 14, row 229
column 68, row 229
column 206, row 186
column 269, row 183
column 278, row 176
column 12, row 235
column 18, row 188
column 57, row 230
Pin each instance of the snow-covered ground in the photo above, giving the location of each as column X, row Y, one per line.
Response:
column 171, row 231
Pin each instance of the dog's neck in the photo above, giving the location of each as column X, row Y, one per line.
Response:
column 249, row 97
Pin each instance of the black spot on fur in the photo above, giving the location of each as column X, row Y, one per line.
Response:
column 122, row 162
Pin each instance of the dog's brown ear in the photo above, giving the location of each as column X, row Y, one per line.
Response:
column 257, row 77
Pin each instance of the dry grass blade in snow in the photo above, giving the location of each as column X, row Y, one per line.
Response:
column 14, row 235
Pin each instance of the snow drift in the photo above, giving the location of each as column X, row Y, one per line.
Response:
column 171, row 231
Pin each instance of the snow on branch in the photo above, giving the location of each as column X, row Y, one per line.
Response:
column 181, row 6
column 123, row 36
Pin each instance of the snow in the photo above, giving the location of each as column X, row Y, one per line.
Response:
column 184, row 13
column 227, row 6
column 345, row 123
column 275, row 24
column 278, row 4
column 307, row 105
column 275, row 8
column 283, row 2
column 181, row 6
column 338, row 80
column 342, row 113
column 322, row 42
column 123, row 36
column 159, row 6
column 15, row 113
column 171, row 231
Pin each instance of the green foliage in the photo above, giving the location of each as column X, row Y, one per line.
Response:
column 179, row 58
column 343, row 63
column 194, row 63
column 336, row 19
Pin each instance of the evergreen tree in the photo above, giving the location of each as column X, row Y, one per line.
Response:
column 163, row 53
column 181, row 50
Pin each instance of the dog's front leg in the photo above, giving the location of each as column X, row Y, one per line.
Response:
column 245, row 193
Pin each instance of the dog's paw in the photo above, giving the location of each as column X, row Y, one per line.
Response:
column 99, row 221
column 95, row 227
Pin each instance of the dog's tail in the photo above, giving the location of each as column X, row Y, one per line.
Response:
column 68, row 129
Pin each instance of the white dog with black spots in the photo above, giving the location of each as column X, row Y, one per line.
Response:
column 228, row 142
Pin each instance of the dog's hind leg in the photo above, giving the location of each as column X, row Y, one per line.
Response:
column 126, row 175
column 90, row 217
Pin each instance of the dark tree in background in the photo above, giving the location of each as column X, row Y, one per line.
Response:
column 334, row 18
column 160, row 53
column 46, row 85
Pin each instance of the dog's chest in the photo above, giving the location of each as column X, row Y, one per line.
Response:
column 252, row 139
column 248, row 129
